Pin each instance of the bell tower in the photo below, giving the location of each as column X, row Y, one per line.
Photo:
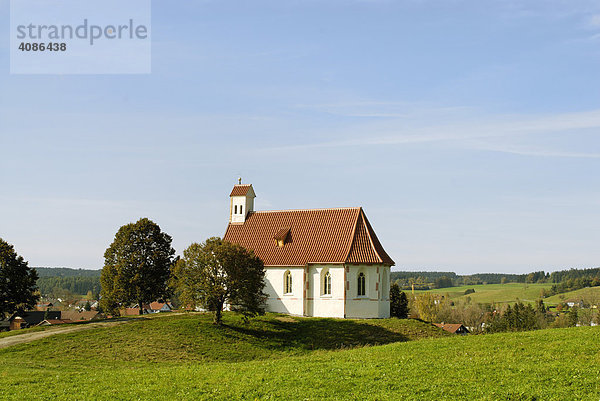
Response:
column 241, row 202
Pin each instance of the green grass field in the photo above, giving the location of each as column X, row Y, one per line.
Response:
column 498, row 293
column 282, row 358
column 511, row 292
column 193, row 337
column 584, row 293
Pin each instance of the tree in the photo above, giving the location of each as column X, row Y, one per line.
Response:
column 218, row 272
column 443, row 282
column 540, row 307
column 427, row 306
column 137, row 266
column 17, row 281
column 398, row 302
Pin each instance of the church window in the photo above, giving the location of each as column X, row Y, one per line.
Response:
column 235, row 209
column 327, row 284
column 241, row 209
column 287, row 282
column 361, row 284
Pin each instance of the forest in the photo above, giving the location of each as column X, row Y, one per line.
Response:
column 53, row 281
column 565, row 280
column 80, row 281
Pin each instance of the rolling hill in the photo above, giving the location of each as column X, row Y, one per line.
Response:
column 498, row 293
column 280, row 357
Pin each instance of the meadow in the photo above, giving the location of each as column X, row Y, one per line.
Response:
column 590, row 293
column 283, row 358
column 495, row 293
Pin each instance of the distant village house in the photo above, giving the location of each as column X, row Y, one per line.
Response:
column 455, row 328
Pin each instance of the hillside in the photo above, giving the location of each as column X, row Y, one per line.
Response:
column 193, row 337
column 587, row 294
column 273, row 359
column 498, row 293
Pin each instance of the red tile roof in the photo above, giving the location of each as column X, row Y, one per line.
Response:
column 75, row 315
column 158, row 305
column 451, row 327
column 240, row 189
column 341, row 235
column 57, row 321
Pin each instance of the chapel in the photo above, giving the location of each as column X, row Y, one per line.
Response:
column 318, row 262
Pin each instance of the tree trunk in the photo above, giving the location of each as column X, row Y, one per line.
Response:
column 141, row 307
column 218, row 314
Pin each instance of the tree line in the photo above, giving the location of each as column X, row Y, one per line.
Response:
column 140, row 267
column 65, row 272
column 572, row 278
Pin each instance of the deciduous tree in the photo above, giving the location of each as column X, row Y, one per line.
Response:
column 17, row 281
column 137, row 266
column 216, row 273
column 427, row 306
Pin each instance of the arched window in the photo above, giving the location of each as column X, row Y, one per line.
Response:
column 287, row 282
column 235, row 209
column 361, row 284
column 327, row 284
column 241, row 209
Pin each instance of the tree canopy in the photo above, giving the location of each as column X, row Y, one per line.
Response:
column 218, row 272
column 137, row 266
column 17, row 281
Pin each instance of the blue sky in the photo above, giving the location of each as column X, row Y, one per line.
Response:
column 468, row 130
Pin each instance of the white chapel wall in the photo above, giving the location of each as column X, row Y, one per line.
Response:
column 324, row 305
column 375, row 302
column 278, row 301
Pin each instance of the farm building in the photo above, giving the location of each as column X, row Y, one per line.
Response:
column 454, row 328
column 318, row 262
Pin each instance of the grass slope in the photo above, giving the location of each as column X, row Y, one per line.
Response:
column 557, row 364
column 498, row 293
column 193, row 337
column 583, row 293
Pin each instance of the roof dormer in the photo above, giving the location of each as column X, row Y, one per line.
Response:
column 281, row 236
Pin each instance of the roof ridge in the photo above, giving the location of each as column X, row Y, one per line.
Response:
column 307, row 210
column 352, row 236
column 364, row 218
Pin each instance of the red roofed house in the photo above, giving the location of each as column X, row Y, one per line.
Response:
column 453, row 328
column 318, row 262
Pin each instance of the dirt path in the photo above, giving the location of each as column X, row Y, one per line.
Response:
column 28, row 337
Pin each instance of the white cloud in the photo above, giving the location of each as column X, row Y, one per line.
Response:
column 399, row 132
column 541, row 152
column 594, row 21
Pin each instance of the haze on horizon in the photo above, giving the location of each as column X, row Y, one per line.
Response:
column 468, row 131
